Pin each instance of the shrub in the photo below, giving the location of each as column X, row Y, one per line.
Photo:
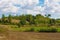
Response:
column 58, row 29
column 48, row 30
column 29, row 30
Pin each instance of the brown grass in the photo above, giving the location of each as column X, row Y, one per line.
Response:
column 15, row 21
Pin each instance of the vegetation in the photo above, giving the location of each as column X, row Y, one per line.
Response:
column 9, row 18
column 30, row 23
column 3, row 18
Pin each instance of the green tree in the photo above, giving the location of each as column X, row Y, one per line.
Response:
column 22, row 21
column 49, row 21
column 9, row 18
column 19, row 24
column 38, row 15
column 48, row 15
column 38, row 19
column 3, row 18
column 30, row 18
column 52, row 22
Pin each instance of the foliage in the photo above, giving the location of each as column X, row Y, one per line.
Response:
column 3, row 18
column 48, row 15
column 48, row 30
column 9, row 18
column 36, row 23
column 36, row 29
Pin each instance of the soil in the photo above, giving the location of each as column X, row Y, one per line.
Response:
column 30, row 36
column 33, row 36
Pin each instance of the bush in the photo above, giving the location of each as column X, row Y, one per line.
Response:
column 37, row 29
column 29, row 30
column 58, row 29
column 48, row 30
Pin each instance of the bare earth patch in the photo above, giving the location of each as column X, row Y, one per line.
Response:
column 33, row 36
column 3, row 37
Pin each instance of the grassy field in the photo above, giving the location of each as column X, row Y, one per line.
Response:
column 12, row 32
column 4, row 28
column 34, row 29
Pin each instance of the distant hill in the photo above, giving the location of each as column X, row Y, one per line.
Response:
column 29, row 20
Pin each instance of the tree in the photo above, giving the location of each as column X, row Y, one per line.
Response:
column 38, row 15
column 48, row 15
column 52, row 22
column 19, row 24
column 30, row 18
column 38, row 19
column 0, row 20
column 22, row 21
column 9, row 18
column 3, row 18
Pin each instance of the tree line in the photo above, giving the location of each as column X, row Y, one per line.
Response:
column 29, row 19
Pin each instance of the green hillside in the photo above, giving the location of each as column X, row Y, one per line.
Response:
column 30, row 22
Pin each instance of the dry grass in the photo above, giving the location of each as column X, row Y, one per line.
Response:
column 15, row 21
column 3, row 32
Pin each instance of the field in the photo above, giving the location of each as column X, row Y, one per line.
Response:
column 33, row 36
column 26, row 33
column 30, row 36
column 29, row 27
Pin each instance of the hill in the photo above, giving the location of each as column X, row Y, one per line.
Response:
column 37, row 23
column 13, row 27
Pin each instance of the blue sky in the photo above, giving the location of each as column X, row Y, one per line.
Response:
column 41, row 2
column 30, row 7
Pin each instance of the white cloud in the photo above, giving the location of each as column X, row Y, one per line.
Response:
column 8, row 5
column 52, row 7
column 30, row 7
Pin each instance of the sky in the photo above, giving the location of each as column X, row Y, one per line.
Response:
column 30, row 7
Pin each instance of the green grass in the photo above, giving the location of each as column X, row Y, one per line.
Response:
column 30, row 29
column 35, row 29
column 58, row 29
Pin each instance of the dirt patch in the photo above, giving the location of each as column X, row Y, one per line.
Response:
column 33, row 36
column 3, row 37
column 30, row 36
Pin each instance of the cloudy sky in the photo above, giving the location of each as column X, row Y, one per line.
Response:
column 30, row 7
